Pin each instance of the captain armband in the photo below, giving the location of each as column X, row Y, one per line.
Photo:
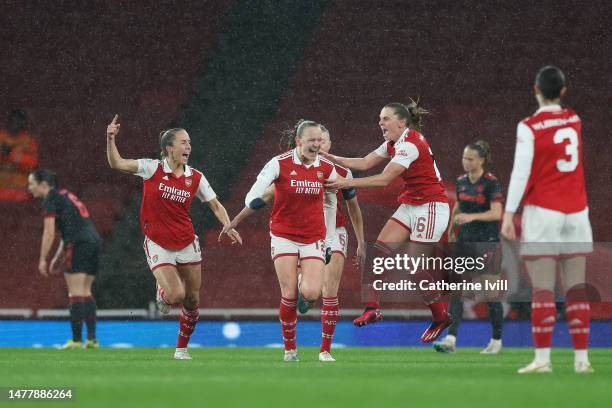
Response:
column 349, row 193
column 257, row 203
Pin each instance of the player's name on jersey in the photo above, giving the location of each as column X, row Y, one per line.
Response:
column 426, row 285
column 555, row 122
column 306, row 187
column 173, row 193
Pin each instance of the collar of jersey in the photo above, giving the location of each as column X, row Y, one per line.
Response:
column 296, row 160
column 549, row 108
column 167, row 169
column 402, row 136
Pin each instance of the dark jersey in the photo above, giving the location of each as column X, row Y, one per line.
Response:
column 477, row 198
column 71, row 217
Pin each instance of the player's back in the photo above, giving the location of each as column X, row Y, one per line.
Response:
column 556, row 180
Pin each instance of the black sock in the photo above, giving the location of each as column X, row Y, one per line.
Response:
column 496, row 315
column 89, row 309
column 76, row 318
column 456, row 312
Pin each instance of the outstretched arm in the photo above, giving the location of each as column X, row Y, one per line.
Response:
column 390, row 172
column 114, row 158
column 221, row 213
column 358, row 163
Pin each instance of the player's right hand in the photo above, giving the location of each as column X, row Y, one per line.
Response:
column 507, row 230
column 113, row 128
column 42, row 268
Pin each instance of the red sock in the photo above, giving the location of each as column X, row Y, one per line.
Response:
column 287, row 315
column 543, row 318
column 381, row 250
column 578, row 315
column 438, row 310
column 329, row 315
column 187, row 324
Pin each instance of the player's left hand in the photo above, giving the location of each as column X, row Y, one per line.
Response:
column 463, row 218
column 360, row 256
column 234, row 236
column 507, row 230
column 338, row 183
column 42, row 268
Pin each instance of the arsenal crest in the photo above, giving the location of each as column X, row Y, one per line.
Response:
column 155, row 258
column 188, row 182
column 320, row 174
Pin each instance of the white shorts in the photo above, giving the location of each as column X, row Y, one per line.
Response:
column 426, row 222
column 158, row 256
column 286, row 247
column 339, row 244
column 549, row 233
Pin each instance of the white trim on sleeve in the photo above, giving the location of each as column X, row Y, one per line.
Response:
column 523, row 158
column 205, row 192
column 146, row 168
column 405, row 154
column 266, row 176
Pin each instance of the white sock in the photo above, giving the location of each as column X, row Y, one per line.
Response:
column 451, row 339
column 542, row 355
column 496, row 342
column 581, row 356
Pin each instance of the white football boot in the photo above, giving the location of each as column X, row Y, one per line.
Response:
column 291, row 356
column 582, row 367
column 493, row 347
column 536, row 367
column 163, row 307
column 326, row 357
column 181, row 354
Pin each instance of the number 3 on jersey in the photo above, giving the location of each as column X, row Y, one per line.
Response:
column 571, row 149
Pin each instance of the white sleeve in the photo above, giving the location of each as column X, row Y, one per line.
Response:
column 146, row 168
column 405, row 154
column 266, row 176
column 523, row 157
column 205, row 191
column 330, row 201
column 382, row 151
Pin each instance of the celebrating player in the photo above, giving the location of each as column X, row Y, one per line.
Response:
column 423, row 214
column 337, row 250
column 477, row 213
column 297, row 225
column 77, row 253
column 171, row 246
column 548, row 175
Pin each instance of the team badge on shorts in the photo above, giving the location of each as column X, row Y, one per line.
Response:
column 155, row 258
column 188, row 182
column 320, row 174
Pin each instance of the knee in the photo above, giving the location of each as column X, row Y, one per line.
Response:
column 175, row 295
column 310, row 293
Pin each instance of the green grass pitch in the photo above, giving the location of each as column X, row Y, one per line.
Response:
column 257, row 377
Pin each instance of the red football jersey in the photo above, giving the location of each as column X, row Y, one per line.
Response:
column 422, row 181
column 298, row 196
column 556, row 180
column 166, row 199
column 340, row 219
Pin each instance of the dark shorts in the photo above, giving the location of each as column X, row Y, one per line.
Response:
column 83, row 257
column 488, row 252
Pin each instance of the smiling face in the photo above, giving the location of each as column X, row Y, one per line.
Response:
column 180, row 149
column 391, row 125
column 309, row 143
column 472, row 162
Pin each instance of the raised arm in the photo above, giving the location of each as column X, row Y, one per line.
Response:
column 114, row 158
column 221, row 213
column 358, row 163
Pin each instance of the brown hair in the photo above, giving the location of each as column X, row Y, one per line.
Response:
column 412, row 112
column 166, row 138
column 484, row 152
column 287, row 140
